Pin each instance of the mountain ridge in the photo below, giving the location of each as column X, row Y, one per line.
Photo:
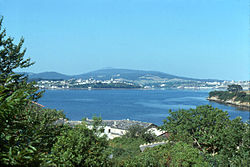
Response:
column 115, row 73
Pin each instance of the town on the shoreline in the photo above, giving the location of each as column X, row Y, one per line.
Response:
column 127, row 84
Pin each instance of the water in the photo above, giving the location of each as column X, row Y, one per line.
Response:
column 141, row 105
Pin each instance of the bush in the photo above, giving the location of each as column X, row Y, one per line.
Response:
column 81, row 146
column 170, row 154
column 124, row 148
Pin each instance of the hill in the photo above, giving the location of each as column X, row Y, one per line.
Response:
column 48, row 76
column 106, row 74
column 127, row 74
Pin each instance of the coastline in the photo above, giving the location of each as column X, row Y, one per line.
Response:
column 126, row 89
column 244, row 106
column 95, row 89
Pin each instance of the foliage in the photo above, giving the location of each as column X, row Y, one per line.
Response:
column 234, row 88
column 183, row 154
column 242, row 97
column 81, row 146
column 27, row 131
column 170, row 154
column 124, row 148
column 29, row 140
column 137, row 131
column 15, row 94
column 241, row 156
column 227, row 95
column 127, row 146
column 41, row 127
column 209, row 129
column 157, row 156
column 222, row 95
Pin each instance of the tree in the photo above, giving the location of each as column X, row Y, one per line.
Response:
column 81, row 146
column 170, row 154
column 124, row 148
column 209, row 129
column 234, row 88
column 26, row 130
column 15, row 92
column 30, row 135
column 242, row 156
column 138, row 131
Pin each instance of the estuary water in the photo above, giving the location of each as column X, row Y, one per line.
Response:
column 133, row 104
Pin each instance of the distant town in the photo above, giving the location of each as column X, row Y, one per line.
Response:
column 84, row 84
column 142, row 84
column 127, row 79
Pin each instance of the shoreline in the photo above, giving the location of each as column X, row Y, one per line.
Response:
column 95, row 89
column 124, row 89
column 242, row 106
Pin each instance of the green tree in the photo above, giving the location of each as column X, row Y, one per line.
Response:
column 26, row 130
column 81, row 146
column 170, row 154
column 124, row 148
column 137, row 131
column 209, row 129
column 234, row 88
column 15, row 94
column 183, row 154
column 242, row 156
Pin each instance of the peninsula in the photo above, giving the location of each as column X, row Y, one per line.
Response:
column 233, row 96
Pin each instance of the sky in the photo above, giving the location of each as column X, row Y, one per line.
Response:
column 191, row 38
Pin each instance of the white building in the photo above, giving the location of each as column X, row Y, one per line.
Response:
column 117, row 128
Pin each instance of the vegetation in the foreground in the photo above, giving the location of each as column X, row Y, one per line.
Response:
column 234, row 93
column 30, row 136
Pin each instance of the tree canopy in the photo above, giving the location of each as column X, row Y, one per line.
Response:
column 27, row 130
column 210, row 130
column 234, row 88
column 81, row 146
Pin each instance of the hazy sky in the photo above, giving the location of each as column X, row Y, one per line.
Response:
column 193, row 38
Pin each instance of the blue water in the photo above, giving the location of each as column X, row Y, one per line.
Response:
column 142, row 105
